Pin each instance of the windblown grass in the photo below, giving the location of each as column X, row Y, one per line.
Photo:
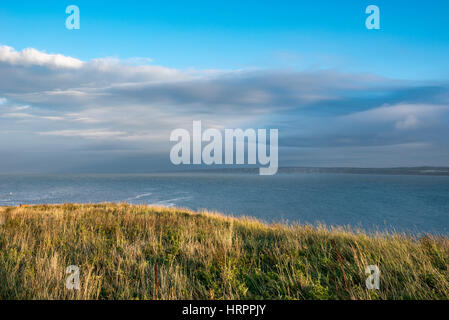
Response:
column 142, row 252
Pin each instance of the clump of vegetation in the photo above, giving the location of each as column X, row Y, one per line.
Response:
column 142, row 252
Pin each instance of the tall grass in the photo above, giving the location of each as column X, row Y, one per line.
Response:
column 142, row 252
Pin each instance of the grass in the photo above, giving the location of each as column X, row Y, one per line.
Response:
column 142, row 252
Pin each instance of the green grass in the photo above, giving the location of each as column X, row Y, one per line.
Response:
column 142, row 252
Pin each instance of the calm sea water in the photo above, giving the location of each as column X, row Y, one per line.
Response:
column 374, row 202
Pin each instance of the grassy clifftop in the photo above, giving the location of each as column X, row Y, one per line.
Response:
column 141, row 252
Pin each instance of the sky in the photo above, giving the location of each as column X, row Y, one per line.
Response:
column 105, row 98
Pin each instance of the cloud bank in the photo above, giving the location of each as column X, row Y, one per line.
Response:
column 108, row 111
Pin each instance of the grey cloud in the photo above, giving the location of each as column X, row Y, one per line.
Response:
column 132, row 108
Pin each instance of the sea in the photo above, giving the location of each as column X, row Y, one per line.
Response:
column 414, row 204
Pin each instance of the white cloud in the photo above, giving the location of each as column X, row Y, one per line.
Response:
column 31, row 56
column 20, row 108
column 53, row 118
column 17, row 115
column 87, row 134
column 410, row 122
column 402, row 116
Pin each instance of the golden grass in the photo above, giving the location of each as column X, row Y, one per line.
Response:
column 142, row 252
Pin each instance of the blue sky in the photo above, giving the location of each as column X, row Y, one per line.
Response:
column 242, row 34
column 106, row 97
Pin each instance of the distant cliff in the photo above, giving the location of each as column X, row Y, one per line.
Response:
column 427, row 171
